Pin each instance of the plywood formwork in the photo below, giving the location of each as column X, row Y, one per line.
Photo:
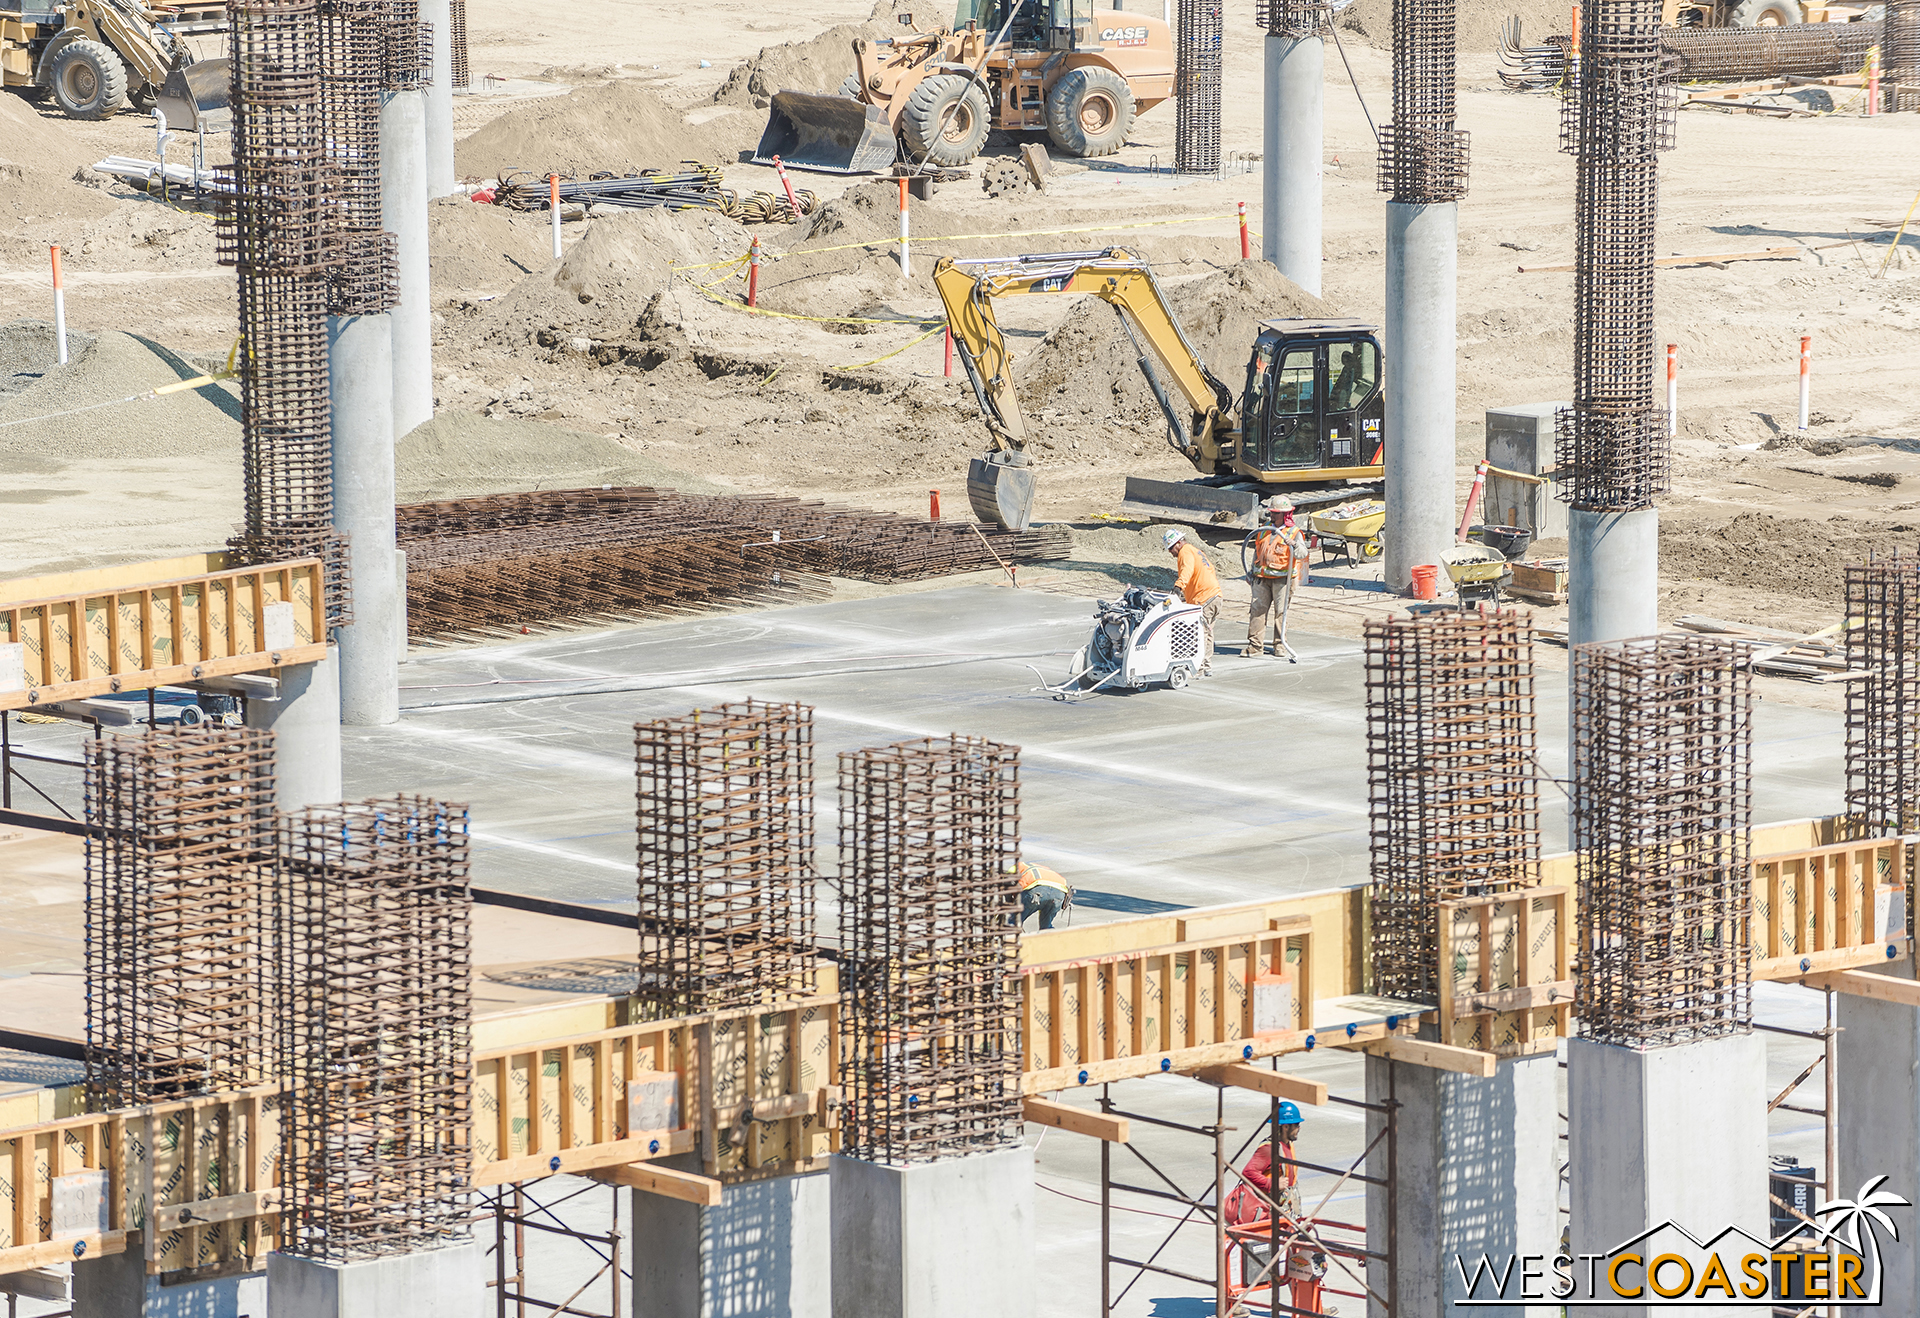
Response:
column 1830, row 907
column 95, row 642
column 1505, row 983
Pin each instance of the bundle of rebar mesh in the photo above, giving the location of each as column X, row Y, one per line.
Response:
column 177, row 878
column 1717, row 54
column 1423, row 156
column 503, row 562
column 1450, row 778
column 929, row 935
column 1196, row 87
column 691, row 187
column 726, row 895
column 1615, row 119
column 374, row 1006
column 1662, row 805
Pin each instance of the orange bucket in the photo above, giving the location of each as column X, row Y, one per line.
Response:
column 1426, row 582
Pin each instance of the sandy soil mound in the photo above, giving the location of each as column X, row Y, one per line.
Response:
column 851, row 283
column 1747, row 552
column 616, row 126
column 1087, row 365
column 483, row 249
column 111, row 367
column 459, row 455
column 806, row 66
column 1478, row 22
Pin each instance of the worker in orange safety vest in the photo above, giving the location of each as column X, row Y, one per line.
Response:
column 1276, row 560
column 1197, row 583
column 1043, row 893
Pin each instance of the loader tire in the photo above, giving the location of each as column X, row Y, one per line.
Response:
column 850, row 87
column 1090, row 112
column 1764, row 13
column 88, row 80
column 964, row 131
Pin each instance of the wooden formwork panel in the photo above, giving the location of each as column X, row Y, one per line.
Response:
column 1826, row 908
column 131, row 638
column 1505, row 983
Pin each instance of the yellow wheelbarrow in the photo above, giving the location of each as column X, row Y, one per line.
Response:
column 1476, row 571
column 1356, row 525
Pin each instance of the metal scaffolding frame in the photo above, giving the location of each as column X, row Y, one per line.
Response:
column 726, row 847
column 1662, row 804
column 930, row 941
column 374, row 998
column 179, row 849
column 1451, row 778
column 515, row 1206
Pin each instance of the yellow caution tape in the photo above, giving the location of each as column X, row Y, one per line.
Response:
column 897, row 351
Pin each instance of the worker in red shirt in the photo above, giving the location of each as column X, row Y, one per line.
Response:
column 1306, row 1263
column 1197, row 583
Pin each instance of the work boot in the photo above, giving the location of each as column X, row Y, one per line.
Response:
column 1252, row 650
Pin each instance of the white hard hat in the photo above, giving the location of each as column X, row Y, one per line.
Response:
column 1172, row 536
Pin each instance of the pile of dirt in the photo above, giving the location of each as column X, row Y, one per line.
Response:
column 1087, row 365
column 847, row 282
column 820, row 64
column 1477, row 23
column 459, row 455
column 1782, row 556
column 617, row 126
column 483, row 249
column 42, row 174
column 58, row 418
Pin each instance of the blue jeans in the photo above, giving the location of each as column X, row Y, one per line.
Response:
column 1044, row 901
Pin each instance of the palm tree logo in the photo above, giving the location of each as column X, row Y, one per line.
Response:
column 1857, row 1217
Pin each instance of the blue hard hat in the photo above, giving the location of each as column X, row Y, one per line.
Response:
column 1288, row 1115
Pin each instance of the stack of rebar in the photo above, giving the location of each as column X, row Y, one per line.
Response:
column 176, row 876
column 1615, row 119
column 1423, row 156
column 1662, row 804
column 726, row 895
column 503, row 562
column 374, row 1005
column 1883, row 708
column 929, row 933
column 1196, row 87
column 1450, row 778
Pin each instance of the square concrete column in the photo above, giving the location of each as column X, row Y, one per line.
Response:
column 432, row 1283
column 117, row 1286
column 1879, row 1085
column 1675, row 1134
column 949, row 1239
column 765, row 1252
column 305, row 722
column 1477, row 1172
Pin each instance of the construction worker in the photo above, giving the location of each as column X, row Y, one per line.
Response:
column 1043, row 893
column 1197, row 583
column 1276, row 558
column 1306, row 1263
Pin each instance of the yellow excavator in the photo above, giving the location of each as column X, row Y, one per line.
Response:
column 1308, row 430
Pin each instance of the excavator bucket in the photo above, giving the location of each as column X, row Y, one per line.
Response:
column 831, row 134
column 1001, row 495
column 196, row 96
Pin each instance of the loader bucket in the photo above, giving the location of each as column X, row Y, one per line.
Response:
column 1000, row 495
column 830, row 134
column 196, row 96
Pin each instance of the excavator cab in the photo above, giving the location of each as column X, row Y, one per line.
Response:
column 1315, row 399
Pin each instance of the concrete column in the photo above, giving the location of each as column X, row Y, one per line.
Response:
column 117, row 1286
column 305, row 722
column 403, row 213
column 433, row 1283
column 1879, row 1059
column 1666, row 1134
column 439, row 96
column 361, row 376
column 950, row 1239
column 765, row 1252
column 1422, row 251
column 1290, row 182
column 1613, row 574
column 1477, row 1169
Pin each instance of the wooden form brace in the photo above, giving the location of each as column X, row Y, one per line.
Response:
column 1505, row 983
column 133, row 638
column 1828, row 908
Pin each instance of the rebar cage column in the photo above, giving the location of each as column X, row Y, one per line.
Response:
column 1662, row 805
column 1423, row 155
column 726, row 848
column 930, row 937
column 1453, row 800
column 1883, row 708
column 1196, row 82
column 1901, row 55
column 375, row 1006
column 177, row 858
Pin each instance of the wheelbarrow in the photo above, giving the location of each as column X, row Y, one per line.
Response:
column 1477, row 573
column 1357, row 526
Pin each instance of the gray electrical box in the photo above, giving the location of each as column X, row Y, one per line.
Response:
column 1520, row 438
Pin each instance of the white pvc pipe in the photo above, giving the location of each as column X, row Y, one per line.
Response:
column 59, row 306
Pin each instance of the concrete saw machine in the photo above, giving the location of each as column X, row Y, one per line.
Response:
column 1146, row 637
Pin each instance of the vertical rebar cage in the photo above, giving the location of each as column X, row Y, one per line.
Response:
column 374, row 998
column 1423, row 154
column 1883, row 708
column 930, row 938
column 176, row 881
column 1196, row 74
column 1451, row 787
column 1900, row 55
column 726, row 851
column 1662, row 805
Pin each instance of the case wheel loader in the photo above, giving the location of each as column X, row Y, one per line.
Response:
column 97, row 57
column 1309, row 429
column 1080, row 75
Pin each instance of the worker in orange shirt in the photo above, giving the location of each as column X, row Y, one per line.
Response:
column 1197, row 583
column 1278, row 554
column 1043, row 893
column 1306, row 1263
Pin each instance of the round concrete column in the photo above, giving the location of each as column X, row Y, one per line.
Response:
column 361, row 374
column 1291, row 181
column 403, row 213
column 1421, row 260
column 440, row 98
column 1613, row 575
column 305, row 722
